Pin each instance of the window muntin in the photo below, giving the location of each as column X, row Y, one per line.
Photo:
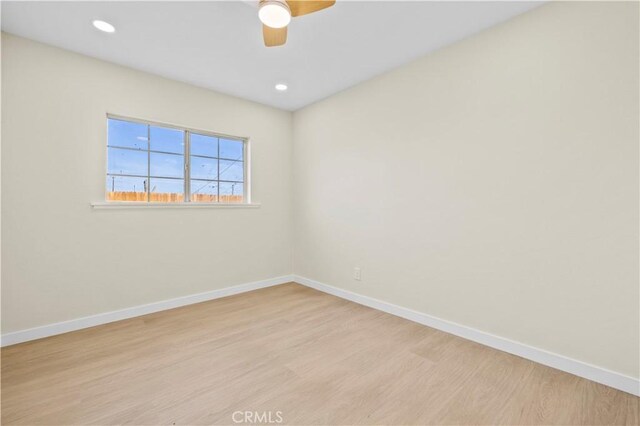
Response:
column 164, row 164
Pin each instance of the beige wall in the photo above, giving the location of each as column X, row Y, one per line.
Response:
column 493, row 183
column 63, row 260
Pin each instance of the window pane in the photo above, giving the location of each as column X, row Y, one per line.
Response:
column 166, row 140
column 204, row 145
column 125, row 188
column 127, row 162
column 147, row 163
column 167, row 190
column 167, row 165
column 127, row 134
column 204, row 168
column 231, row 192
column 204, row 192
column 230, row 149
column 231, row 170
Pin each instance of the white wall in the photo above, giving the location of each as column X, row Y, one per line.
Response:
column 62, row 260
column 493, row 184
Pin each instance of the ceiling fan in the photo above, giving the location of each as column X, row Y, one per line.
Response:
column 276, row 15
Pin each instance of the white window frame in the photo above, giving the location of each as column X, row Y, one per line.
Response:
column 186, row 170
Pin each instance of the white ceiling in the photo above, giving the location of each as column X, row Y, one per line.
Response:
column 218, row 45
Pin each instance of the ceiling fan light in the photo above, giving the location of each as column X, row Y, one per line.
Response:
column 274, row 13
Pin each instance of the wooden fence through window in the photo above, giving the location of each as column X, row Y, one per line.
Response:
column 167, row 197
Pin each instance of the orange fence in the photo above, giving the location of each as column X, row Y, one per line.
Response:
column 167, row 197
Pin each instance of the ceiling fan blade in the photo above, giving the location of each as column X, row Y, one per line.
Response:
column 274, row 36
column 304, row 7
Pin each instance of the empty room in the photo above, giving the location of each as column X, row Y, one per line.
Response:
column 318, row 212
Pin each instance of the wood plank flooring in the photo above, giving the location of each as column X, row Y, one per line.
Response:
column 312, row 357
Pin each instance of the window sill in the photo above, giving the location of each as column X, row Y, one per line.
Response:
column 146, row 205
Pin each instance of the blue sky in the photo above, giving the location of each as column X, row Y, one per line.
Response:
column 170, row 162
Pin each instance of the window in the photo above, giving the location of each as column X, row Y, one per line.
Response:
column 164, row 164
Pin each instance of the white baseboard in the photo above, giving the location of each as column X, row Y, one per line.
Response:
column 578, row 368
column 135, row 311
column 550, row 359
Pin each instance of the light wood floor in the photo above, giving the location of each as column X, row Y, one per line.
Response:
column 316, row 358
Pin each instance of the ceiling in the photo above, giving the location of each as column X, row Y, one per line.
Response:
column 218, row 45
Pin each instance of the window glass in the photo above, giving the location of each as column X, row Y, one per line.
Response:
column 127, row 134
column 166, row 140
column 231, row 149
column 204, row 145
column 232, row 170
column 204, row 191
column 127, row 162
column 126, row 188
column 166, row 190
column 146, row 162
column 231, row 192
column 204, row 168
column 167, row 165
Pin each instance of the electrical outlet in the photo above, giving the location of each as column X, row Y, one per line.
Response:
column 357, row 274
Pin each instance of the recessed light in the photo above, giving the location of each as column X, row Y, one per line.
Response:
column 104, row 26
column 281, row 87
